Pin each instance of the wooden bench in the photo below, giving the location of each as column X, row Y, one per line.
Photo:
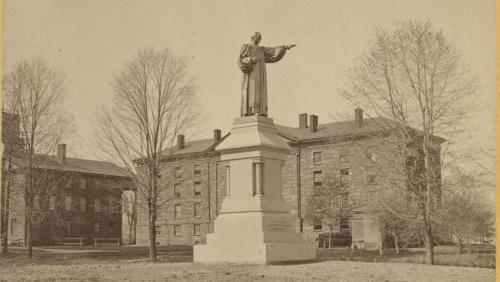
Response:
column 73, row 241
column 107, row 241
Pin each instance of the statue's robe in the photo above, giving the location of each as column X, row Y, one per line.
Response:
column 252, row 62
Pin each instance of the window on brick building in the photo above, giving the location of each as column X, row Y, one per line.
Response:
column 197, row 209
column 196, row 229
column 345, row 177
column 317, row 157
column 104, row 206
column 13, row 223
column 177, row 230
column 344, row 223
column 371, row 156
column 371, row 178
column 343, row 157
column 52, row 203
column 318, row 178
column 97, row 205
column 177, row 211
column 97, row 185
column 371, row 196
column 177, row 190
column 113, row 205
column 158, row 227
column 67, row 227
column 197, row 188
column 67, row 203
column 178, row 172
column 344, row 200
column 97, row 227
column 36, row 202
column 82, row 183
column 196, row 169
column 317, row 225
column 83, row 204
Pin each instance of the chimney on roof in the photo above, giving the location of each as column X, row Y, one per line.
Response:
column 217, row 135
column 303, row 120
column 313, row 123
column 180, row 142
column 61, row 153
column 358, row 116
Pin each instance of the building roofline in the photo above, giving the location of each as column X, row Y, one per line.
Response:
column 46, row 162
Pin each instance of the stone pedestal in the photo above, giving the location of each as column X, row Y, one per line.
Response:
column 255, row 224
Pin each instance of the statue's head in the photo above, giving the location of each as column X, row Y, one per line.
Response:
column 256, row 37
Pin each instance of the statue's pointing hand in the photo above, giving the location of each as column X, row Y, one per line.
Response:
column 288, row 47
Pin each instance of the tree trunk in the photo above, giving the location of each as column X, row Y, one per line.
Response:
column 152, row 238
column 468, row 246
column 330, row 240
column 428, row 242
column 426, row 206
column 29, row 245
column 380, row 243
column 130, row 233
column 134, row 230
column 396, row 243
column 28, row 230
column 134, row 220
column 352, row 251
column 459, row 247
column 28, row 200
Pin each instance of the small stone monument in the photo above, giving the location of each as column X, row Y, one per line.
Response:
column 254, row 224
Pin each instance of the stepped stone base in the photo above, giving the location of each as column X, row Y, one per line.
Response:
column 256, row 237
column 255, row 224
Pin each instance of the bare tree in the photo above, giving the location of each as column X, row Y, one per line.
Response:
column 413, row 76
column 328, row 203
column 464, row 217
column 34, row 92
column 400, row 229
column 154, row 100
column 129, row 205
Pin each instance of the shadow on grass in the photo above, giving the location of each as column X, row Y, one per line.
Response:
column 95, row 255
column 297, row 262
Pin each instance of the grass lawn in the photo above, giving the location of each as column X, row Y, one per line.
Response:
column 175, row 263
column 443, row 255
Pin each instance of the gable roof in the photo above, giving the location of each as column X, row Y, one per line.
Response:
column 337, row 129
column 327, row 130
column 341, row 129
column 195, row 147
column 81, row 166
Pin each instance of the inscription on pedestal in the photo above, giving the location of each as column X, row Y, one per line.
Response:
column 278, row 224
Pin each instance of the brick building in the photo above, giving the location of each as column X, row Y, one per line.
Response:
column 359, row 153
column 75, row 200
column 197, row 188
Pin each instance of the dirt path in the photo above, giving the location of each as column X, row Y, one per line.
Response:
column 320, row 271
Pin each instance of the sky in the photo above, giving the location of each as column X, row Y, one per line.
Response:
column 90, row 41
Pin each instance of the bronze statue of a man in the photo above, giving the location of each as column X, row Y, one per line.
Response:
column 252, row 62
